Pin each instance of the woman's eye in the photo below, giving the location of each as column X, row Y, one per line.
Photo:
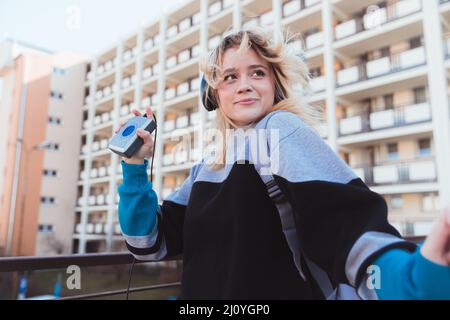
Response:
column 227, row 77
column 259, row 73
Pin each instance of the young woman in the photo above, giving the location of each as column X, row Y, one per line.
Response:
column 227, row 228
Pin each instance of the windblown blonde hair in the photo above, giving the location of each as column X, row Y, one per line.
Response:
column 290, row 72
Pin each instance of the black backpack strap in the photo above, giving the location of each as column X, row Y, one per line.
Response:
column 290, row 231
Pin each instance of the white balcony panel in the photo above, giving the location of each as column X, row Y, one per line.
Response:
column 382, row 119
column 195, row 84
column 126, row 82
column 169, row 125
column 315, row 40
column 168, row 159
column 317, row 84
column 214, row 8
column 184, row 56
column 345, row 29
column 81, row 202
column 171, row 62
column 183, row 88
column 348, row 75
column 105, row 116
column 146, row 102
column 375, row 18
column 350, row 125
column 84, row 148
column 94, row 173
column 99, row 95
column 378, row 67
column 90, row 228
column 172, row 31
column 360, row 173
column 170, row 93
column 181, row 157
column 155, row 99
column 385, row 174
column 291, row 7
column 124, row 110
column 195, row 50
column 95, row 146
column 309, row 3
column 412, row 57
column 422, row 228
column 97, row 120
column 78, row 228
column 213, row 42
column 405, row 7
column 195, row 118
column 147, row 73
column 423, row 170
column 104, row 144
column 99, row 228
column 417, row 112
column 102, row 171
column 184, row 24
column 91, row 200
column 148, row 44
column 117, row 229
column 100, row 199
column 267, row 18
column 182, row 121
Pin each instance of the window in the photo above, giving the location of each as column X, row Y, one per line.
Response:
column 430, row 202
column 420, row 95
column 48, row 200
column 392, row 149
column 59, row 71
column 415, row 42
column 388, row 101
column 56, row 95
column 396, row 202
column 45, row 228
column 54, row 120
column 53, row 146
column 50, row 173
column 424, row 147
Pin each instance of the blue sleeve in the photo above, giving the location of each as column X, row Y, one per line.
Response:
column 410, row 276
column 138, row 203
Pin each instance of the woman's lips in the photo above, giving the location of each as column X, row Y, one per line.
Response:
column 247, row 101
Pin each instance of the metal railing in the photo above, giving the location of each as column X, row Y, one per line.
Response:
column 22, row 264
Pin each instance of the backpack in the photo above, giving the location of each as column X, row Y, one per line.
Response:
column 341, row 291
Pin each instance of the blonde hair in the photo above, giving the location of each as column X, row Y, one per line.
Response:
column 290, row 72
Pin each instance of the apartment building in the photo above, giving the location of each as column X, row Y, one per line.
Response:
column 379, row 68
column 41, row 100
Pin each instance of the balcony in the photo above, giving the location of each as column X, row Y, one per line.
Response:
column 404, row 176
column 380, row 27
column 387, row 74
column 300, row 19
column 396, row 117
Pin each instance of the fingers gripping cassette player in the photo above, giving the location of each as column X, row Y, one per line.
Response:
column 126, row 142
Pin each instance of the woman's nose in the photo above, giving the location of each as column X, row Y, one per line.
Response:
column 244, row 85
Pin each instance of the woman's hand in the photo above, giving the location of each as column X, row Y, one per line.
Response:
column 146, row 150
column 437, row 245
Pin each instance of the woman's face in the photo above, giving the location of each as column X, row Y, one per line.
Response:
column 247, row 87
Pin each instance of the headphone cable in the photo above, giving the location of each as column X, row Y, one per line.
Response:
column 151, row 179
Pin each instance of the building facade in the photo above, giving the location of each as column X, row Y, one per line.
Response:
column 379, row 69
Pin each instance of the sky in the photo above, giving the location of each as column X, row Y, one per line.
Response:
column 84, row 26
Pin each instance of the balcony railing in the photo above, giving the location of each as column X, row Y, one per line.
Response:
column 26, row 264
column 391, row 118
column 376, row 18
column 403, row 171
column 380, row 67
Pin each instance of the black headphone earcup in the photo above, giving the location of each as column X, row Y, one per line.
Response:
column 207, row 102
